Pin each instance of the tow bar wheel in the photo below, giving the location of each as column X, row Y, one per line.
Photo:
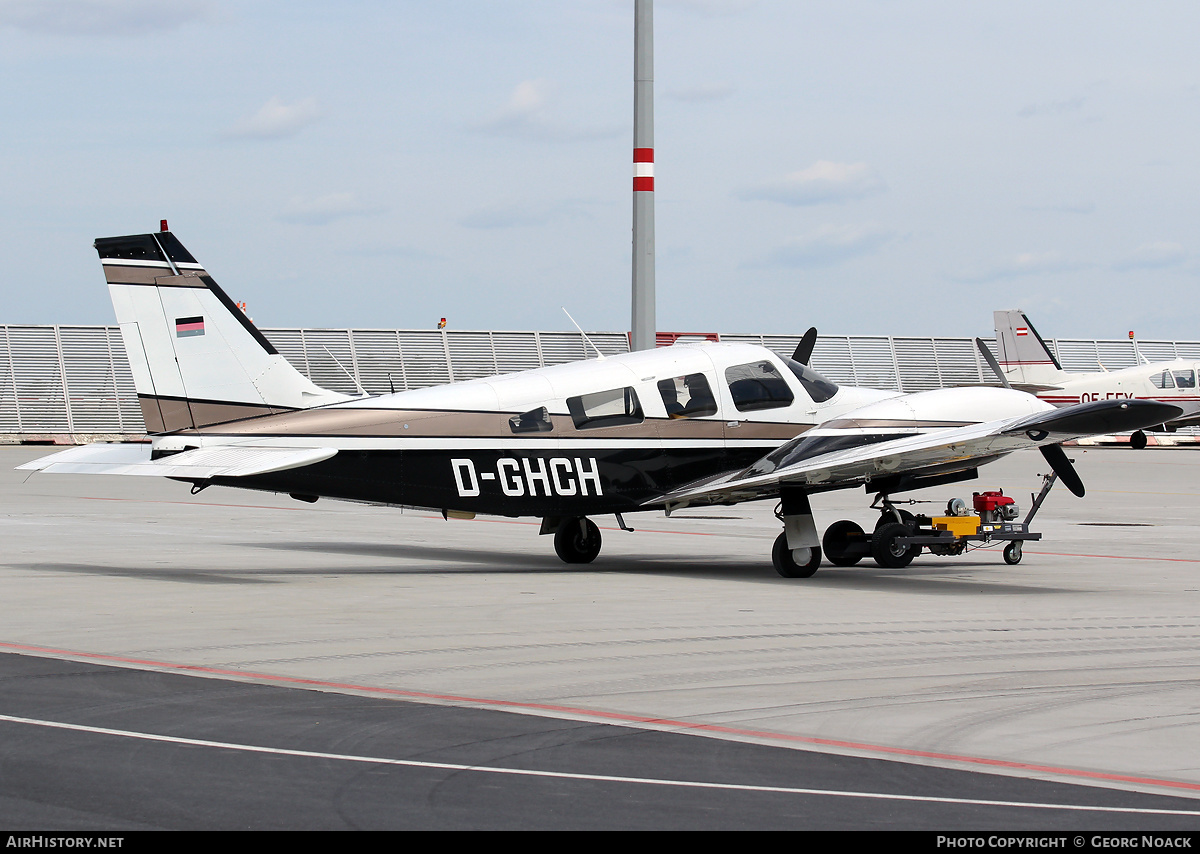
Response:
column 794, row 563
column 1012, row 553
column 889, row 553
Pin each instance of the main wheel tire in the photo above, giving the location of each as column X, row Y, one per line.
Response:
column 785, row 559
column 836, row 542
column 577, row 540
column 1012, row 553
column 887, row 552
column 1137, row 441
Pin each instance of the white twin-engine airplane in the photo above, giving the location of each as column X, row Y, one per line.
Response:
column 651, row 430
column 1029, row 365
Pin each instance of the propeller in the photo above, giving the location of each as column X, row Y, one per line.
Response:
column 805, row 348
column 1057, row 458
column 991, row 360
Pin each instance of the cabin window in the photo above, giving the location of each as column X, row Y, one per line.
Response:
column 818, row 388
column 533, row 421
column 1185, row 378
column 1162, row 380
column 605, row 409
column 757, row 386
column 688, row 396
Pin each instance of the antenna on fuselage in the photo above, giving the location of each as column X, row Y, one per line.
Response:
column 362, row 392
column 599, row 355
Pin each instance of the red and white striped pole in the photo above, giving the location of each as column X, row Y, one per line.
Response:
column 643, row 321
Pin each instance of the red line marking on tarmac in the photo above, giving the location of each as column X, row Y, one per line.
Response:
column 189, row 503
column 1115, row 557
column 618, row 717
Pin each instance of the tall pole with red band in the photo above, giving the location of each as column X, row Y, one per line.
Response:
column 643, row 324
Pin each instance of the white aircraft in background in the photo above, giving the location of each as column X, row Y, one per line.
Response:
column 649, row 430
column 1029, row 365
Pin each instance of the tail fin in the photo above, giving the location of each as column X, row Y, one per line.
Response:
column 1024, row 356
column 196, row 358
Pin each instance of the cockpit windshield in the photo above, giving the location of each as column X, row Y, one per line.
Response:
column 818, row 388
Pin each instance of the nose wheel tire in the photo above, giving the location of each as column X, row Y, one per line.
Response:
column 794, row 563
column 577, row 540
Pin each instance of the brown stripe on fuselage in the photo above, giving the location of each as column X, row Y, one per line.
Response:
column 169, row 414
column 409, row 423
column 121, row 274
column 876, row 423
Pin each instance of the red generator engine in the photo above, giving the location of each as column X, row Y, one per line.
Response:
column 995, row 506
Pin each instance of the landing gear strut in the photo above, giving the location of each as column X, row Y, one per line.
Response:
column 797, row 551
column 577, row 540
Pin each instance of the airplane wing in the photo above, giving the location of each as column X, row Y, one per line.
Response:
column 824, row 462
column 200, row 463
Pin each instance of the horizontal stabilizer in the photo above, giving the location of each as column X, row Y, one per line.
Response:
column 198, row 463
column 1098, row 418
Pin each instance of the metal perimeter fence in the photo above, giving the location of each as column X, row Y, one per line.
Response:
column 72, row 384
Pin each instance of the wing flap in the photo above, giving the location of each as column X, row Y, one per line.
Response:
column 203, row 463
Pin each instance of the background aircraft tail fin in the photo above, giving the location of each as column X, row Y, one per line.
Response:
column 196, row 358
column 1022, row 353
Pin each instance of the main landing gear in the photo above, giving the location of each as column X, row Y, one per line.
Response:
column 795, row 563
column 797, row 551
column 577, row 540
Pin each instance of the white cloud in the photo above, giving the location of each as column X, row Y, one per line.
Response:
column 1023, row 264
column 275, row 120
column 326, row 209
column 528, row 114
column 829, row 245
column 526, row 108
column 824, row 181
column 101, row 17
column 1152, row 256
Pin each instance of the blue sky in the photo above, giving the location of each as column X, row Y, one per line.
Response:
column 867, row 167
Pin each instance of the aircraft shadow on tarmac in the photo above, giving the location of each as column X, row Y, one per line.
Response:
column 964, row 577
column 949, row 579
column 188, row 575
